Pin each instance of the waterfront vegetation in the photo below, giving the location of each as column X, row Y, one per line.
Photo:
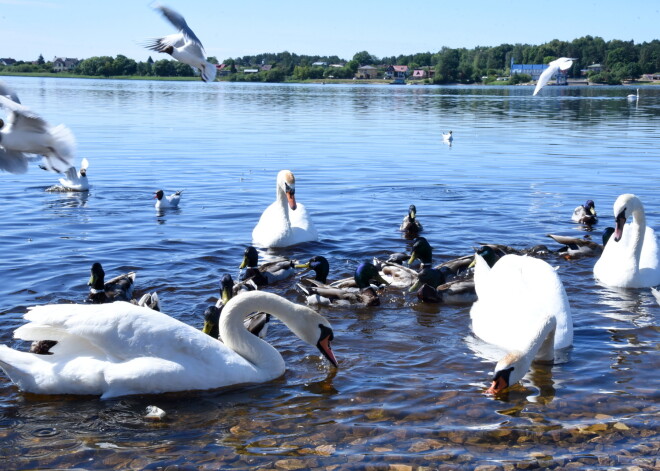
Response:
column 619, row 61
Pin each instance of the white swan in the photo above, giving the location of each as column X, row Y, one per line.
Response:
column 563, row 63
column 522, row 307
column 76, row 180
column 120, row 349
column 184, row 46
column 633, row 97
column 285, row 222
column 631, row 259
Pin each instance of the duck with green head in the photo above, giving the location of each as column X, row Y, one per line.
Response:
column 120, row 288
column 267, row 273
column 410, row 226
column 319, row 265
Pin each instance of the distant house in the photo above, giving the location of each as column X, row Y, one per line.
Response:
column 62, row 64
column 337, row 66
column 397, row 72
column 420, row 74
column 7, row 61
column 250, row 71
column 320, row 64
column 266, row 67
column 596, row 68
column 367, row 72
column 533, row 70
column 223, row 69
column 652, row 77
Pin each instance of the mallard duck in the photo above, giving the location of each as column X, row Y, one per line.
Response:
column 121, row 349
column 256, row 323
column 421, row 250
column 285, row 222
column 267, row 273
column 411, row 225
column 319, row 265
column 631, row 258
column 362, row 292
column 522, row 307
column 167, row 202
column 184, row 46
column 575, row 247
column 25, row 133
column 76, row 180
column 585, row 214
column 452, row 292
column 120, row 288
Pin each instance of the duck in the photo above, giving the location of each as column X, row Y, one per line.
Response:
column 165, row 202
column 121, row 349
column 361, row 292
column 448, row 137
column 459, row 292
column 267, row 273
column 256, row 323
column 522, row 308
column 410, row 225
column 285, row 222
column 150, row 300
column 585, row 213
column 76, row 180
column 120, row 288
column 25, row 132
column 319, row 265
column 575, row 247
column 183, row 46
column 421, row 250
column 631, row 258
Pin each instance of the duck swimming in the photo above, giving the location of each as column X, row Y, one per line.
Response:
column 285, row 222
column 585, row 214
column 631, row 258
column 121, row 349
column 267, row 273
column 411, row 226
column 319, row 265
column 120, row 288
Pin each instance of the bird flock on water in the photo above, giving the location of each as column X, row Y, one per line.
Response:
column 114, row 344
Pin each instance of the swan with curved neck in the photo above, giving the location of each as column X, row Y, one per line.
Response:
column 631, row 259
column 120, row 349
column 285, row 222
column 522, row 307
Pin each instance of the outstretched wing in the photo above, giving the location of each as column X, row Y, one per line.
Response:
column 179, row 23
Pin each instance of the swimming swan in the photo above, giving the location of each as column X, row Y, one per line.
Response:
column 521, row 305
column 120, row 349
column 631, row 258
column 284, row 222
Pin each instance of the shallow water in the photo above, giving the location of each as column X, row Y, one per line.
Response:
column 410, row 388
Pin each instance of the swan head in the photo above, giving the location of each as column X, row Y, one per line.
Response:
column 319, row 265
column 364, row 273
column 422, row 251
column 159, row 195
column 286, row 183
column 250, row 258
column 508, row 371
column 97, row 278
column 624, row 206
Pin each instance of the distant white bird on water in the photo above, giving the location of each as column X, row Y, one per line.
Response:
column 25, row 132
column 184, row 46
column 75, row 180
column 563, row 63
column 634, row 97
column 171, row 201
column 448, row 137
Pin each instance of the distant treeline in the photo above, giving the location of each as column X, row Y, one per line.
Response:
column 620, row 60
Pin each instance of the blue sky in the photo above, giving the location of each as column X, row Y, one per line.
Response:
column 85, row 28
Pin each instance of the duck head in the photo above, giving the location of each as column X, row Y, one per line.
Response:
column 319, row 265
column 250, row 258
column 428, row 276
column 607, row 233
column 422, row 251
column 365, row 273
column 97, row 278
column 412, row 212
column 286, row 183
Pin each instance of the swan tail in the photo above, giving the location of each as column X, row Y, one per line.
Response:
column 21, row 367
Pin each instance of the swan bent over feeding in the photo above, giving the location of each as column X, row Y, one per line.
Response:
column 631, row 258
column 521, row 304
column 285, row 222
column 121, row 349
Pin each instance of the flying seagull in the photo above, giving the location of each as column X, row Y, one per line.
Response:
column 25, row 132
column 184, row 46
column 563, row 63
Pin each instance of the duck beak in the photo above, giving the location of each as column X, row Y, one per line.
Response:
column 325, row 348
column 244, row 263
column 226, row 296
column 292, row 200
column 91, row 280
column 307, row 265
column 498, row 385
column 207, row 328
column 412, row 258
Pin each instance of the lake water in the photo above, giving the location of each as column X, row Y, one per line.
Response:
column 409, row 392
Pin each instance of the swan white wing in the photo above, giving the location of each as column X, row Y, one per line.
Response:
column 273, row 228
column 302, row 225
column 22, row 118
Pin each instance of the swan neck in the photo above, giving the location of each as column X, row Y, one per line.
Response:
column 637, row 229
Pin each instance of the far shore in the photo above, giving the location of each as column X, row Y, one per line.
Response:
column 309, row 81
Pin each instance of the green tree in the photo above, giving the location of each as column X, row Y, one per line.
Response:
column 364, row 58
column 40, row 60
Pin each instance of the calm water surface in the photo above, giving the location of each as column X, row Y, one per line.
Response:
column 410, row 388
